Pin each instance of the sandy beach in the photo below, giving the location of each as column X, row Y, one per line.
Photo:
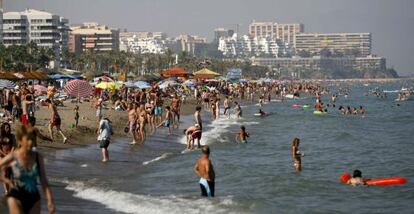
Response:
column 85, row 133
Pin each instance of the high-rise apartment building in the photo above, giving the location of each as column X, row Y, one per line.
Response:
column 284, row 32
column 143, row 42
column 93, row 36
column 356, row 44
column 222, row 32
column 43, row 28
column 247, row 46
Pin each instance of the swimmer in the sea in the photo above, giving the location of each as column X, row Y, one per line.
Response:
column 243, row 135
column 356, row 179
column 297, row 155
column 262, row 113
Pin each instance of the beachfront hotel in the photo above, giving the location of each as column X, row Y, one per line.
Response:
column 318, row 63
column 222, row 32
column 43, row 28
column 143, row 42
column 357, row 44
column 284, row 32
column 247, row 46
column 91, row 35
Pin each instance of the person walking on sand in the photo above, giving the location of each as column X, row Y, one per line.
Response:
column 204, row 169
column 55, row 121
column 104, row 137
column 27, row 167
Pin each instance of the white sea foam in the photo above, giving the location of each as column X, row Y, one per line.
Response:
column 133, row 203
column 219, row 127
column 163, row 156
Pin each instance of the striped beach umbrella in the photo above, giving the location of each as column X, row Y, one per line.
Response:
column 7, row 84
column 78, row 88
column 40, row 89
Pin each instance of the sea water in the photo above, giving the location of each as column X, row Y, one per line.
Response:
column 257, row 177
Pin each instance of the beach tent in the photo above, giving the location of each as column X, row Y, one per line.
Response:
column 205, row 74
column 175, row 72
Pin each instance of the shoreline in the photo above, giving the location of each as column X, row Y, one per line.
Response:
column 85, row 134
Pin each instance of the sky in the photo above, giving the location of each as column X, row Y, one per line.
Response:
column 391, row 22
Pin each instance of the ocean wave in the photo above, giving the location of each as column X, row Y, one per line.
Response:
column 218, row 128
column 163, row 156
column 126, row 202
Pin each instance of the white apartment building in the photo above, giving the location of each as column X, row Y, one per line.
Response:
column 345, row 43
column 43, row 28
column 140, row 45
column 247, row 46
column 284, row 32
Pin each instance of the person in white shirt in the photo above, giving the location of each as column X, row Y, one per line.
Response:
column 104, row 137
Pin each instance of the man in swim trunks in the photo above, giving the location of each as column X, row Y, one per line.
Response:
column 204, row 169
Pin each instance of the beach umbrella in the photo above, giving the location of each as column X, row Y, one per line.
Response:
column 107, row 85
column 40, row 89
column 167, row 83
column 7, row 84
column 142, row 84
column 103, row 79
column 78, row 88
column 189, row 83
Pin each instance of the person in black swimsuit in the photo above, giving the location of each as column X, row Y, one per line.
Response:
column 27, row 168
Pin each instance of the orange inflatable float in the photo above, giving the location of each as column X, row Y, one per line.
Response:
column 376, row 181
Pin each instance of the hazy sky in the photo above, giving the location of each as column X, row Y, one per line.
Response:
column 391, row 22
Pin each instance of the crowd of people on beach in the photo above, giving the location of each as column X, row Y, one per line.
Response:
column 147, row 111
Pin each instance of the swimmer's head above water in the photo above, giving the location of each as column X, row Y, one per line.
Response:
column 357, row 174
